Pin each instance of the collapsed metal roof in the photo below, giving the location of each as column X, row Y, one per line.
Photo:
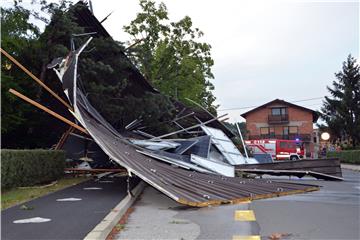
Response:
column 184, row 186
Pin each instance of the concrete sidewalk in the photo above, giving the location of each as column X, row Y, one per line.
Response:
column 156, row 216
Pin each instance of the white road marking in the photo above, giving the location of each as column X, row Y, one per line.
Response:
column 68, row 199
column 106, row 181
column 33, row 220
column 92, row 188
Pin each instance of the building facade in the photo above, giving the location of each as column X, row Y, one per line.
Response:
column 279, row 119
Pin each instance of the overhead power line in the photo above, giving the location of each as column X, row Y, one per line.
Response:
column 294, row 101
column 309, row 99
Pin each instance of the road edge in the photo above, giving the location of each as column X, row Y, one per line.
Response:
column 103, row 229
column 352, row 167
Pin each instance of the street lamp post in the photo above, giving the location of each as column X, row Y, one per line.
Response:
column 325, row 136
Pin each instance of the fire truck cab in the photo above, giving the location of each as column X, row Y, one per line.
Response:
column 278, row 149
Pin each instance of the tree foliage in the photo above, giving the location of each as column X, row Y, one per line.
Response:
column 108, row 83
column 18, row 36
column 170, row 55
column 102, row 77
column 341, row 112
column 21, row 122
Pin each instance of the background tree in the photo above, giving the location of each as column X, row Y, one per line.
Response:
column 102, row 77
column 18, row 36
column 21, row 122
column 106, row 80
column 170, row 55
column 341, row 112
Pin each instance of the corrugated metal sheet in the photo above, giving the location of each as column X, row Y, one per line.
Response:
column 324, row 168
column 225, row 145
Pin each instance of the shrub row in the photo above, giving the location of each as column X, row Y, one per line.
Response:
column 30, row 167
column 346, row 156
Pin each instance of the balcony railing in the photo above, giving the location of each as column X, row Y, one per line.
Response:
column 274, row 119
column 302, row 137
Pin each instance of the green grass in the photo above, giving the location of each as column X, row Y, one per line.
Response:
column 16, row 196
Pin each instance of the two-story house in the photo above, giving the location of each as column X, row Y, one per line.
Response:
column 279, row 119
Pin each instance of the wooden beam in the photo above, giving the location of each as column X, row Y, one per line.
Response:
column 35, row 78
column 63, row 138
column 54, row 114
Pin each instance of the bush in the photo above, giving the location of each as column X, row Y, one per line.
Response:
column 346, row 156
column 30, row 167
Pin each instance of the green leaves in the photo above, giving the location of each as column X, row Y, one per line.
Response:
column 17, row 37
column 20, row 168
column 22, row 39
column 171, row 56
column 342, row 111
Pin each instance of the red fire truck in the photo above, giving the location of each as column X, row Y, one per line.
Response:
column 278, row 149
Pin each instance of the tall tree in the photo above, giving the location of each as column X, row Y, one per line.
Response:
column 341, row 112
column 170, row 55
column 22, row 39
column 18, row 37
column 106, row 76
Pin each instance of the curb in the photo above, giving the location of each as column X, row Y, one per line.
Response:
column 103, row 229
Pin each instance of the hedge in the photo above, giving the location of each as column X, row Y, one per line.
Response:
column 346, row 156
column 30, row 167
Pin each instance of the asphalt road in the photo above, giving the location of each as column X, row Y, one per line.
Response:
column 68, row 219
column 331, row 213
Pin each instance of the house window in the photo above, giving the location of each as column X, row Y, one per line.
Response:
column 267, row 132
column 285, row 133
column 278, row 111
column 293, row 130
column 271, row 132
column 285, row 130
column 264, row 131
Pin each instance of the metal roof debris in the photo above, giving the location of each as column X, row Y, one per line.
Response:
column 183, row 185
column 326, row 168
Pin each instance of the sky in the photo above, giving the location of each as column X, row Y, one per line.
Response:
column 262, row 49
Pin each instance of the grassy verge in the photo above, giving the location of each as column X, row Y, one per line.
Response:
column 347, row 156
column 16, row 196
